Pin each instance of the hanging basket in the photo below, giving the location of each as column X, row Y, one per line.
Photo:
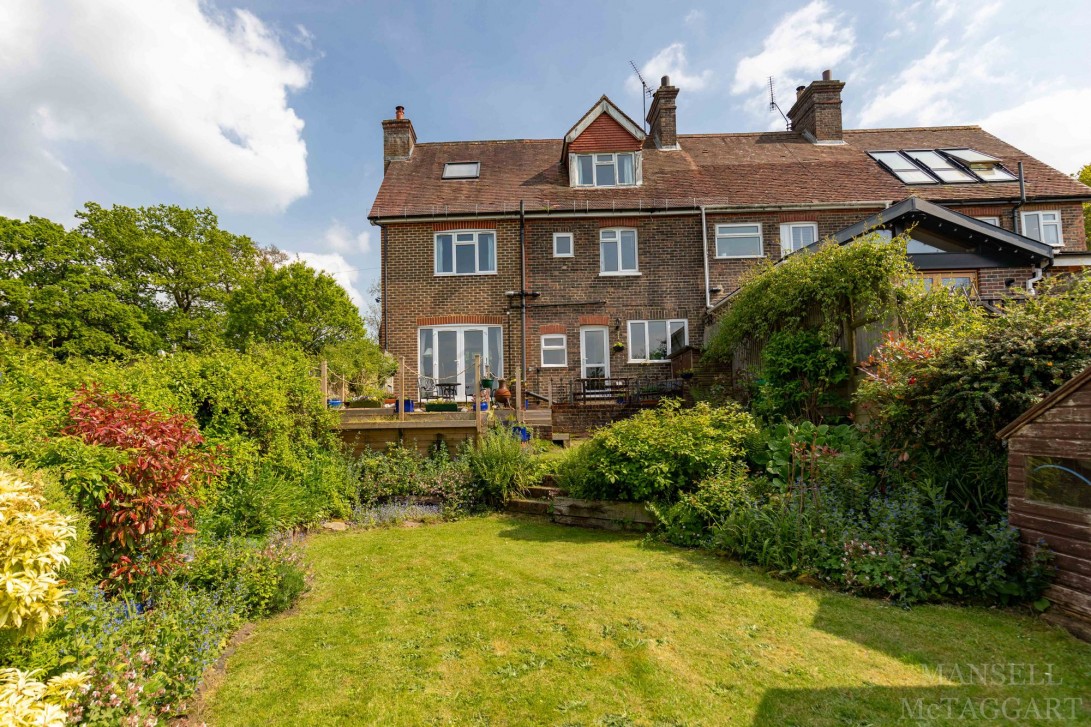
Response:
column 618, row 346
column 486, row 383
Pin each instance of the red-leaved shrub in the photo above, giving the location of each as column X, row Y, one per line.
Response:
column 145, row 505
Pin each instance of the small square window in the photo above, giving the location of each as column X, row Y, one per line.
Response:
column 554, row 351
column 562, row 244
column 1044, row 226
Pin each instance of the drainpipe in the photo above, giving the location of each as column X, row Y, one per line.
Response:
column 704, row 240
column 523, row 290
column 1039, row 273
column 1016, row 223
column 383, row 333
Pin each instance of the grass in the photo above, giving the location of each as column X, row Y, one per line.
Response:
column 510, row 621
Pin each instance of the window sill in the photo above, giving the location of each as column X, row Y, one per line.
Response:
column 620, row 275
column 649, row 361
column 564, row 256
column 461, row 275
column 554, row 366
column 738, row 257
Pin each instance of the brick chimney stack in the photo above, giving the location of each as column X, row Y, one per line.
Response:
column 398, row 138
column 817, row 111
column 662, row 116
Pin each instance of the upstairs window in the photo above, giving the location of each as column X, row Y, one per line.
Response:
column 1044, row 227
column 466, row 253
column 462, row 170
column 554, row 351
column 606, row 170
column 738, row 241
column 995, row 221
column 796, row 236
column 617, row 252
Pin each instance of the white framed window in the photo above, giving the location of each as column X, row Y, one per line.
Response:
column 606, row 170
column 797, row 235
column 1044, row 226
column 739, row 240
column 653, row 341
column 554, row 350
column 991, row 220
column 563, row 244
column 446, row 356
column 469, row 252
column 617, row 252
column 462, row 170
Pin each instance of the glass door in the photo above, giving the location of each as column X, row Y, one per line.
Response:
column 594, row 355
column 473, row 344
column 447, row 358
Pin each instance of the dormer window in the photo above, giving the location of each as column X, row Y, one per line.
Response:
column 606, row 170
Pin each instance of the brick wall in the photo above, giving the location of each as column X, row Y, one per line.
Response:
column 1072, row 229
column 572, row 293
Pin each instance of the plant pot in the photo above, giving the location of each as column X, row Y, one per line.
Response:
column 486, row 383
column 618, row 347
column 502, row 395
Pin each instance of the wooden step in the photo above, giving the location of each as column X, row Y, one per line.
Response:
column 528, row 507
column 542, row 492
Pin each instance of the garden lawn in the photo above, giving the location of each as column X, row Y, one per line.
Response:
column 509, row 621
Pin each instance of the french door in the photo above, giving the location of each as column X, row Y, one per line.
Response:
column 447, row 355
column 594, row 352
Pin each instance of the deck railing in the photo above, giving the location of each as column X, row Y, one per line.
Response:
column 625, row 391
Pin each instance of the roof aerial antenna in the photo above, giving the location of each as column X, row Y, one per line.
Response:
column 773, row 106
column 646, row 94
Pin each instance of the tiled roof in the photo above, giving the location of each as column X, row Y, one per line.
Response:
column 769, row 168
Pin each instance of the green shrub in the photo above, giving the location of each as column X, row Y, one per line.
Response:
column 262, row 578
column 688, row 522
column 657, row 454
column 400, row 473
column 500, row 465
column 802, row 376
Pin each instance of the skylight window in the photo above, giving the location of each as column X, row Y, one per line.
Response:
column 940, row 166
column 462, row 170
column 901, row 167
column 986, row 167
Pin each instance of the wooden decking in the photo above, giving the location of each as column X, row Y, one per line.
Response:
column 379, row 428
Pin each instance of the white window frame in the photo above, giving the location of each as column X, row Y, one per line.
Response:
column 990, row 219
column 1041, row 225
column 644, row 323
column 594, row 156
column 723, row 231
column 571, row 244
column 621, row 271
column 563, row 348
column 495, row 367
column 454, row 256
column 786, row 235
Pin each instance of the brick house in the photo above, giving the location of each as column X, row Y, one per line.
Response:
column 597, row 254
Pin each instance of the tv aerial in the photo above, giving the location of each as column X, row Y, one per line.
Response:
column 647, row 93
column 774, row 106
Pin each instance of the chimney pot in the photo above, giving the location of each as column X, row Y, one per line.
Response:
column 826, row 75
column 799, row 90
column 662, row 116
column 399, row 138
column 399, row 112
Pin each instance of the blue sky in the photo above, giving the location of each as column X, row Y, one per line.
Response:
column 268, row 111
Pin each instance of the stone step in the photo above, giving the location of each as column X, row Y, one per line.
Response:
column 528, row 507
column 542, row 492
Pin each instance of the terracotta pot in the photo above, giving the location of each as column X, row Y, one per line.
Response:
column 502, row 395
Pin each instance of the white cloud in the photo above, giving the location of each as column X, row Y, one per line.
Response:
column 339, row 269
column 671, row 61
column 196, row 95
column 935, row 88
column 808, row 40
column 1052, row 128
column 339, row 238
column 695, row 18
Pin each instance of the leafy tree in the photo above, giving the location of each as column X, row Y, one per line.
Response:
column 176, row 263
column 362, row 363
column 292, row 304
column 1084, row 175
column 53, row 293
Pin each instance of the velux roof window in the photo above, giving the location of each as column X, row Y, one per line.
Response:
column 946, row 166
column 462, row 170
